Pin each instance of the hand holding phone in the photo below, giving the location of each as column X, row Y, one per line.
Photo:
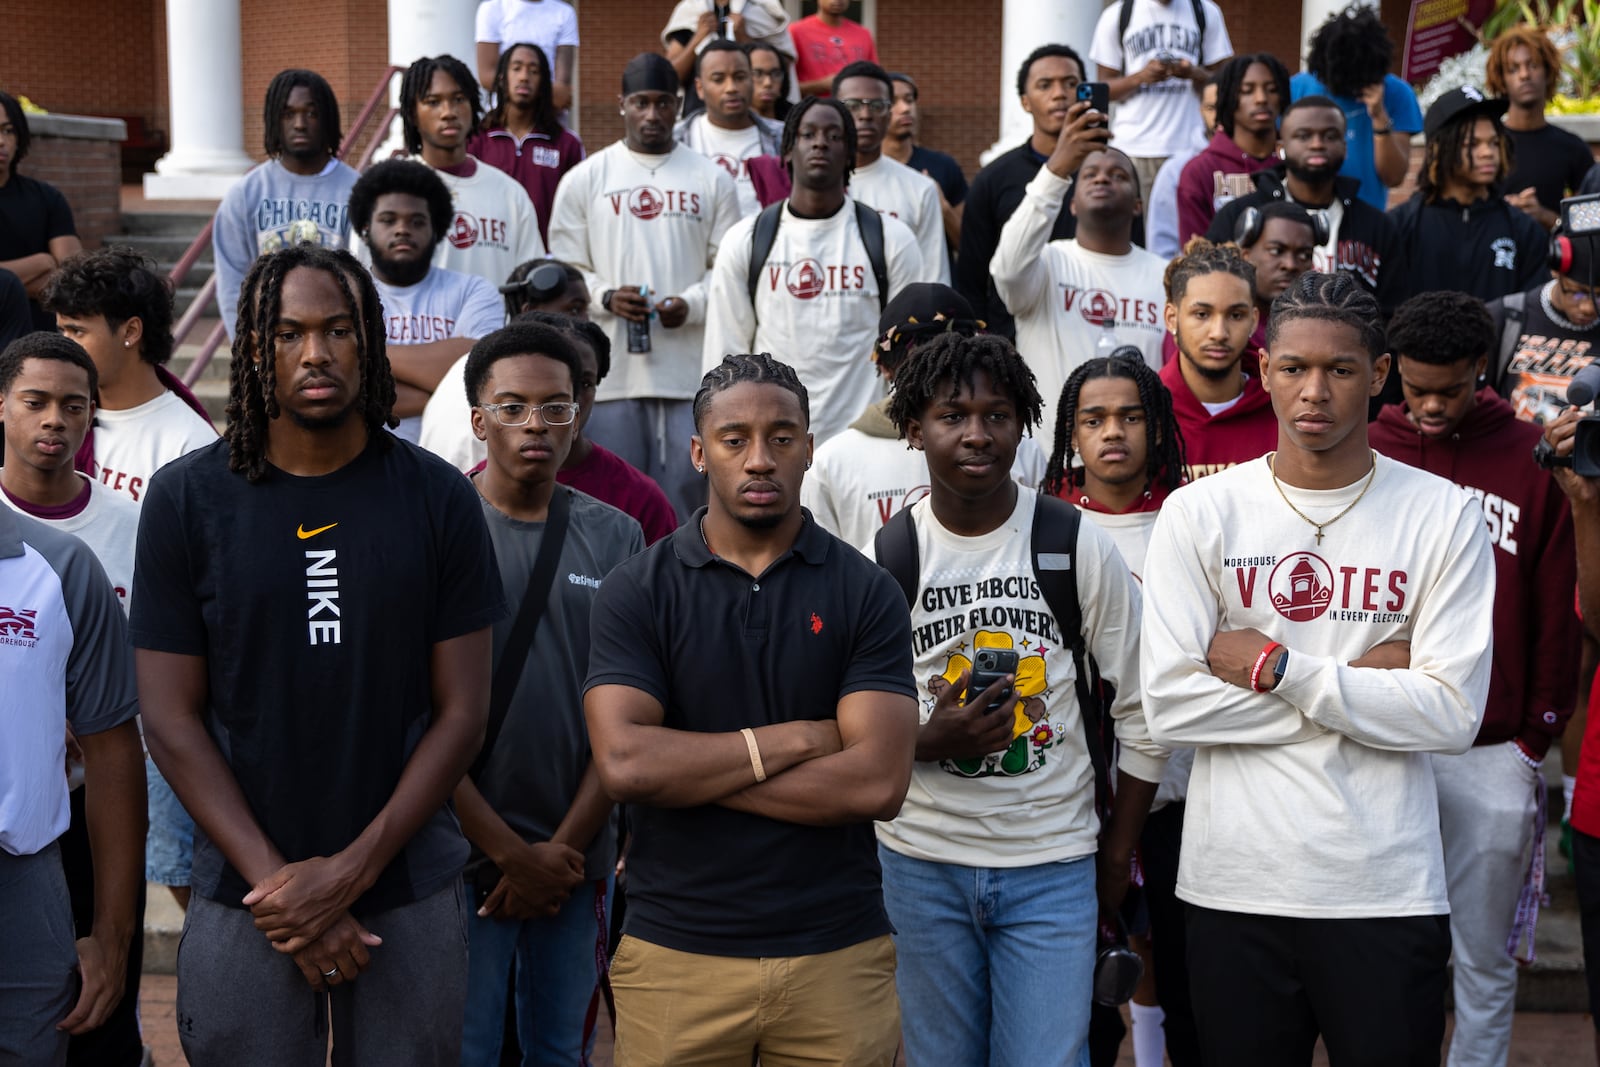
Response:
column 989, row 666
column 1098, row 97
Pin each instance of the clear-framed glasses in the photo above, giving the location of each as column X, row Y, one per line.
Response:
column 877, row 107
column 514, row 414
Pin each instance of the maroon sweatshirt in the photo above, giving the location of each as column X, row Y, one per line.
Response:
column 1197, row 184
column 1246, row 431
column 1536, row 631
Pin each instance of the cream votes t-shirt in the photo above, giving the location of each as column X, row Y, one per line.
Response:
column 732, row 150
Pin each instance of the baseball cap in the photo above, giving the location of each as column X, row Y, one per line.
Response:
column 923, row 307
column 1467, row 100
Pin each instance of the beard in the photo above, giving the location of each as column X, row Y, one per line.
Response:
column 1206, row 370
column 1312, row 175
column 401, row 272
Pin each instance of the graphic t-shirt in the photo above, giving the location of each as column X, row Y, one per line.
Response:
column 541, row 752
column 1546, row 357
column 132, row 444
column 1160, row 119
column 732, row 150
column 105, row 521
column 316, row 603
column 537, row 162
column 546, row 23
column 1032, row 802
column 912, row 197
column 821, row 51
column 443, row 305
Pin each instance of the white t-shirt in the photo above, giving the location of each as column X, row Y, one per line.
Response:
column 443, row 305
column 1032, row 803
column 1317, row 799
column 1160, row 119
column 626, row 219
column 732, row 150
column 902, row 193
column 816, row 307
column 1060, row 292
column 546, row 23
column 132, row 444
column 109, row 525
column 858, row 481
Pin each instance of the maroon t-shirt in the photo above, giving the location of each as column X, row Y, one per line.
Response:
column 608, row 477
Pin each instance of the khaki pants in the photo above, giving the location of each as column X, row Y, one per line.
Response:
column 1146, row 168
column 688, row 1010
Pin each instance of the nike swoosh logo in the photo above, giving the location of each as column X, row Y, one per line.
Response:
column 305, row 534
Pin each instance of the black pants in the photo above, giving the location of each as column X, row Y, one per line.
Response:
column 1586, row 867
column 1158, row 853
column 1265, row 987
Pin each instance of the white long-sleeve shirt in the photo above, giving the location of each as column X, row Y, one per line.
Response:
column 1060, row 292
column 1034, row 802
column 1317, row 799
column 912, row 197
column 816, row 307
column 628, row 219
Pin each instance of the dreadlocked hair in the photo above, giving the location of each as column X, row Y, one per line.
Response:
column 414, row 86
column 1537, row 42
column 758, row 368
column 1164, row 456
column 791, row 133
column 948, row 362
column 1350, row 51
column 253, row 376
column 322, row 98
column 1441, row 328
column 1334, row 297
column 1444, row 151
column 1230, row 79
column 1201, row 256
column 545, row 120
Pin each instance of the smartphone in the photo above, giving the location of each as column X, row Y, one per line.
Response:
column 1098, row 94
column 989, row 665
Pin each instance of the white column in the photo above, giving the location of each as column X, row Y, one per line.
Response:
column 206, row 97
column 1313, row 13
column 1025, row 25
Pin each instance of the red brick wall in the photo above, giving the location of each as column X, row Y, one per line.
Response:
column 87, row 57
column 88, row 175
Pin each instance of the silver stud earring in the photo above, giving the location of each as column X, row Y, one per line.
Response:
column 699, row 470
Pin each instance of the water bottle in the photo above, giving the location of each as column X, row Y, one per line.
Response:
column 1106, row 343
column 639, row 332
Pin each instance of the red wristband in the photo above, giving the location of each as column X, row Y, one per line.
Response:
column 1261, row 664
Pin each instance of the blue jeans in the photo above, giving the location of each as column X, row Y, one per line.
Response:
column 169, row 846
column 996, row 963
column 557, row 963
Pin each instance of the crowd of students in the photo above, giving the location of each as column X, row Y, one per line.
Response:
column 879, row 592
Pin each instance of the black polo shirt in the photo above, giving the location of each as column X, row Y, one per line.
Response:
column 721, row 651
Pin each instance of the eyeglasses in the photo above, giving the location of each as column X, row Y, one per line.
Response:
column 560, row 413
column 877, row 107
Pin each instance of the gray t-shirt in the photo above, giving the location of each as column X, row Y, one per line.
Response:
column 543, row 749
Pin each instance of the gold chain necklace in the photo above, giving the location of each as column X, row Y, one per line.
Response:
column 1272, row 461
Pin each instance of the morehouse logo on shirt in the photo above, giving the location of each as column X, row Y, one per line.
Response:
column 17, row 626
column 467, row 230
column 809, row 279
column 1097, row 305
column 646, row 202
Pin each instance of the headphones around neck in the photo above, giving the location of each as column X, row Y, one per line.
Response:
column 1247, row 228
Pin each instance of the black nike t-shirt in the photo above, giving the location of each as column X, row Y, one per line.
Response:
column 316, row 603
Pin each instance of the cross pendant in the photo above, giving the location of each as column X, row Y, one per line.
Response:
column 1319, row 535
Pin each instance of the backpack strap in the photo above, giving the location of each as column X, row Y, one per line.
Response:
column 1055, row 558
column 762, row 238
column 871, row 226
column 1514, row 306
column 895, row 545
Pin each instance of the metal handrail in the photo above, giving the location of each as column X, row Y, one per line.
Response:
column 207, row 295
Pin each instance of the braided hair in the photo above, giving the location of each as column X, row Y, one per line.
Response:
column 414, row 86
column 791, row 132
column 545, row 119
column 948, row 362
column 759, row 368
column 322, row 98
column 1201, row 256
column 1164, row 454
column 1335, row 297
column 1442, row 153
column 253, row 376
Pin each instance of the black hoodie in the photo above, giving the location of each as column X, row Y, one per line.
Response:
column 1486, row 248
column 1369, row 245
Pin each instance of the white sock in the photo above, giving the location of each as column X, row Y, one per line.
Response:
column 1149, row 1039
column 1568, row 784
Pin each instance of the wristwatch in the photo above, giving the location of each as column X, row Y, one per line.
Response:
column 605, row 298
column 1277, row 671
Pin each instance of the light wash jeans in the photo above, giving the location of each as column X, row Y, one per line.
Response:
column 557, row 962
column 996, row 964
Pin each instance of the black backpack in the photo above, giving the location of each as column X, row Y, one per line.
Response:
column 1054, row 539
column 1127, row 16
column 765, row 235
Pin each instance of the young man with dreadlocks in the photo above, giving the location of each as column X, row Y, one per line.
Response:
column 1454, row 425
column 989, row 872
column 1318, row 619
column 298, row 196
column 522, row 134
column 750, row 696
column 494, row 226
column 1461, row 235
column 311, row 614
column 1252, row 92
column 1524, row 66
column 642, row 219
column 819, row 279
column 865, row 475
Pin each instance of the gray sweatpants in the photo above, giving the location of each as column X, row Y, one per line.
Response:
column 653, row 435
column 241, row 1001
column 39, row 975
